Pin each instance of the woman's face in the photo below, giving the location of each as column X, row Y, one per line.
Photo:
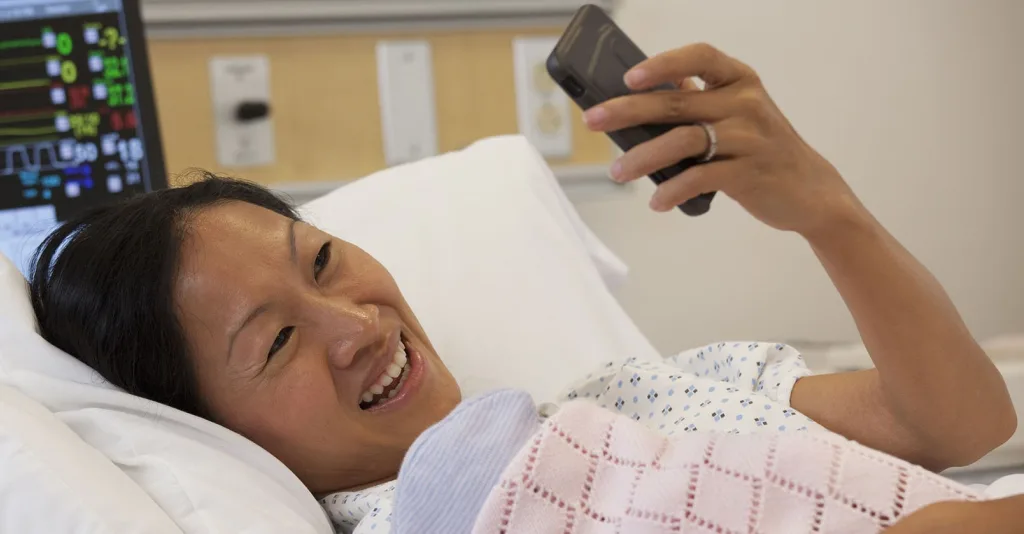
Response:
column 298, row 343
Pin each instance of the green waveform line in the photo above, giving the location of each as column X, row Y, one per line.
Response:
column 41, row 130
column 29, row 140
column 42, row 82
column 30, row 117
column 22, row 61
column 20, row 43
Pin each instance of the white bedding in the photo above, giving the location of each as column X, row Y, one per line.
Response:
column 485, row 236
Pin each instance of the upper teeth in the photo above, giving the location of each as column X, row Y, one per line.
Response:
column 396, row 370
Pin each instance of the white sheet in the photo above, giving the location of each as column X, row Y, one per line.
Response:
column 503, row 284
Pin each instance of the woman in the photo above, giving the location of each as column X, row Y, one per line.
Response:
column 216, row 299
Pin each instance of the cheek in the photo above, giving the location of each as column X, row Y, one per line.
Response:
column 369, row 283
column 364, row 278
column 372, row 284
column 297, row 406
column 304, row 392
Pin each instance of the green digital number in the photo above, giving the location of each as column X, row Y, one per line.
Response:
column 64, row 43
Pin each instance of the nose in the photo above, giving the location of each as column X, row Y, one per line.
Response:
column 349, row 328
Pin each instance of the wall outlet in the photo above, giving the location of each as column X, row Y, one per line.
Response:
column 237, row 85
column 542, row 108
column 405, row 77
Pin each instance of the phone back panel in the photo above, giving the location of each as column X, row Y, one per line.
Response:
column 589, row 63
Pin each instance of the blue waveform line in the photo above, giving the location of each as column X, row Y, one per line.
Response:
column 32, row 158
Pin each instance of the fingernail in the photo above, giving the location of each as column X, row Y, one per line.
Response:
column 635, row 77
column 616, row 171
column 657, row 204
column 595, row 116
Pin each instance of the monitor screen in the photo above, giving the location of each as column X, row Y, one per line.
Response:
column 77, row 123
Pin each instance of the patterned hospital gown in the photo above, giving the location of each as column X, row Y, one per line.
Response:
column 736, row 387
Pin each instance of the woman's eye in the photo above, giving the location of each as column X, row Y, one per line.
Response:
column 281, row 340
column 322, row 259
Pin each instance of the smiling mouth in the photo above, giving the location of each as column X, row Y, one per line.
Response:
column 390, row 382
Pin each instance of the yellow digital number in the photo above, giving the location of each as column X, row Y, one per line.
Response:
column 68, row 71
column 85, row 124
column 111, row 38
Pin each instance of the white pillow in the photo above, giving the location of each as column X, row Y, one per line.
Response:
column 507, row 289
column 544, row 183
column 15, row 305
column 55, row 482
column 204, row 477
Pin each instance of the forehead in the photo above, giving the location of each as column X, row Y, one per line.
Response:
column 234, row 227
column 235, row 220
column 231, row 254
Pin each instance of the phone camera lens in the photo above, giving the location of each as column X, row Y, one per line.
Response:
column 573, row 87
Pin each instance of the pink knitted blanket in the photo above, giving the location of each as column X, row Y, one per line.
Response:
column 589, row 470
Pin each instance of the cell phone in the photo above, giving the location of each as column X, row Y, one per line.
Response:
column 589, row 63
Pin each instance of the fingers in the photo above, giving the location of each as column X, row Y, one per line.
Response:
column 701, row 60
column 660, row 107
column 698, row 179
column 689, row 84
column 669, row 148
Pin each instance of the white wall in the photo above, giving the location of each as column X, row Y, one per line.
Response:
column 920, row 103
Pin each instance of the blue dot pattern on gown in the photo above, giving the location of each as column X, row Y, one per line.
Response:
column 733, row 387
column 365, row 511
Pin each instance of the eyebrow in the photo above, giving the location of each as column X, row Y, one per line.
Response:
column 291, row 240
column 293, row 250
column 252, row 316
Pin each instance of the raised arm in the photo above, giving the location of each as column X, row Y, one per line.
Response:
column 934, row 398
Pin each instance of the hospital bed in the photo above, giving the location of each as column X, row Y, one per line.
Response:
column 470, row 252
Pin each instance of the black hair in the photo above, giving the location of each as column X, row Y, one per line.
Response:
column 103, row 282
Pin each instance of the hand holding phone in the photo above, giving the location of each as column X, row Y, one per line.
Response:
column 760, row 160
column 589, row 63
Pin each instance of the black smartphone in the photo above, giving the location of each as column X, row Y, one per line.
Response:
column 589, row 63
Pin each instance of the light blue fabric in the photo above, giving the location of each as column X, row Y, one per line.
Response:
column 734, row 387
column 442, row 491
